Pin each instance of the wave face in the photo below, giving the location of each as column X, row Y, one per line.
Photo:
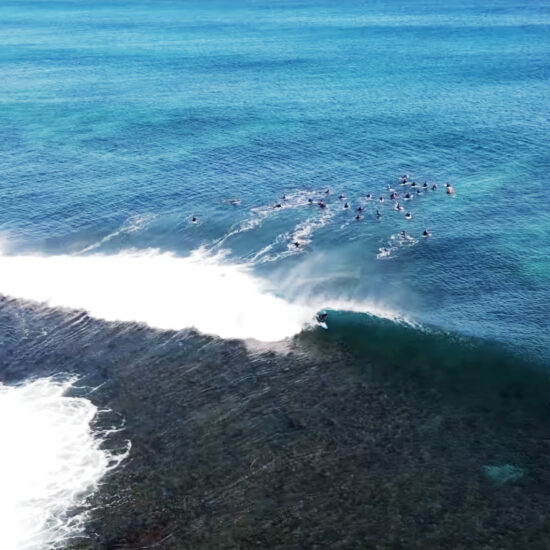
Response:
column 486, row 373
column 55, row 461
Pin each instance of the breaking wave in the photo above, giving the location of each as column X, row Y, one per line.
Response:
column 167, row 292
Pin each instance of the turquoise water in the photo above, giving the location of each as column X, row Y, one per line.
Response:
column 154, row 130
column 113, row 112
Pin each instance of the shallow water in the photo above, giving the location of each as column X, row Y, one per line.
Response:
column 121, row 122
column 309, row 442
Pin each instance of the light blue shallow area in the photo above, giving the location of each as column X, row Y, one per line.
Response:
column 132, row 117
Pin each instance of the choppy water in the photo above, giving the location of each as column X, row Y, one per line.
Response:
column 144, row 150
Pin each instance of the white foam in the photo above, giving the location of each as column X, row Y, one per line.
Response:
column 302, row 233
column 396, row 242
column 241, row 227
column 169, row 292
column 259, row 214
column 50, row 462
column 131, row 225
column 383, row 252
column 159, row 289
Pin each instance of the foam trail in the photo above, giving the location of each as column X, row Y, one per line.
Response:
column 131, row 225
column 242, row 227
column 159, row 289
column 261, row 213
column 303, row 233
column 50, row 462
column 396, row 242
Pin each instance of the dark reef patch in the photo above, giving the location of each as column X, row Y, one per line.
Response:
column 315, row 445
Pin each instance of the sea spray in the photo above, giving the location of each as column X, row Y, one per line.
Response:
column 168, row 292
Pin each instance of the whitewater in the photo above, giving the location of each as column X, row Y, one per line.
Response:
column 168, row 292
column 52, row 460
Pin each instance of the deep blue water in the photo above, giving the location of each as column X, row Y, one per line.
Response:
column 112, row 111
column 121, row 122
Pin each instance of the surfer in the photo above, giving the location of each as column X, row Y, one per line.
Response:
column 322, row 317
column 346, row 205
column 378, row 215
column 434, row 186
column 194, row 219
column 278, row 205
column 450, row 190
column 296, row 244
column 322, row 204
column 369, row 196
column 425, row 185
column 408, row 215
column 310, row 201
column 381, row 199
column 426, row 233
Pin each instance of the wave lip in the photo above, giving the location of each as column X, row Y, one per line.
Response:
column 51, row 460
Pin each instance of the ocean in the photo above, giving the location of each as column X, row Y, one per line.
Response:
column 185, row 186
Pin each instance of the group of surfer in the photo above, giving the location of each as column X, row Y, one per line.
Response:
column 393, row 195
column 404, row 180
